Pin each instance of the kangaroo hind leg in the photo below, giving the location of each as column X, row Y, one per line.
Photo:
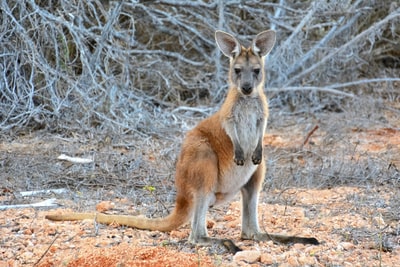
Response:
column 250, row 227
column 203, row 176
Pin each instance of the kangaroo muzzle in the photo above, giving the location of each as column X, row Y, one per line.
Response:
column 247, row 88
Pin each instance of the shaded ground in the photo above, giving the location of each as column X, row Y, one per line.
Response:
column 340, row 185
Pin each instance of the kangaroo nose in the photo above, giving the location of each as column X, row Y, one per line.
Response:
column 247, row 88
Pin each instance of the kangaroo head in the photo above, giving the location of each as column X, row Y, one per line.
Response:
column 246, row 71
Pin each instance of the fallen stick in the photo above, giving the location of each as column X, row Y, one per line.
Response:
column 46, row 203
column 47, row 250
column 309, row 134
column 74, row 159
column 45, row 191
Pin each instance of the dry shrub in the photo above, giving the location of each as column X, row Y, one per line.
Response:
column 137, row 66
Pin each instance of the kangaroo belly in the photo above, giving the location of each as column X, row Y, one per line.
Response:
column 232, row 180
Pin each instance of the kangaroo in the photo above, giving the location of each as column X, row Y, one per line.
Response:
column 221, row 156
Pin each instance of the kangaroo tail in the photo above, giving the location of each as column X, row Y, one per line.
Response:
column 180, row 215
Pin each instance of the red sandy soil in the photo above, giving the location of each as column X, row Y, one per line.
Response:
column 29, row 239
column 353, row 230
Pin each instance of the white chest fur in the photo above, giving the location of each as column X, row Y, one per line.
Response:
column 247, row 117
column 247, row 124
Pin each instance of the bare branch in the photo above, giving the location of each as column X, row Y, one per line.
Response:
column 137, row 66
column 361, row 36
column 310, row 88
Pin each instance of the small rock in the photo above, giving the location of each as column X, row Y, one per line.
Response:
column 292, row 261
column 345, row 246
column 299, row 246
column 306, row 260
column 248, row 256
column 105, row 206
column 28, row 255
column 229, row 218
column 210, row 224
column 267, row 259
column 28, row 231
column 180, row 234
column 232, row 224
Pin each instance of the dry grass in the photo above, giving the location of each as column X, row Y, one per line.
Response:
column 122, row 82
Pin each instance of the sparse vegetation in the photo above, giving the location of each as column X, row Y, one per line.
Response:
column 136, row 67
column 122, row 81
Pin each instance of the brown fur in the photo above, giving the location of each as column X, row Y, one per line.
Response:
column 221, row 156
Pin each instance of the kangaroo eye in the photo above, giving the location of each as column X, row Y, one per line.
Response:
column 256, row 71
column 238, row 71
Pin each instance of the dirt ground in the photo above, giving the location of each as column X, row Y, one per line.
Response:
column 341, row 218
column 357, row 223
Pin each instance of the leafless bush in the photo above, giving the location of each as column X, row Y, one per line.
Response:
column 138, row 66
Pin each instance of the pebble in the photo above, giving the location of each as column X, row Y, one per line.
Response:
column 267, row 259
column 248, row 256
column 345, row 246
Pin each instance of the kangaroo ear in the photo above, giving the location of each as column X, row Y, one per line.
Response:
column 227, row 44
column 263, row 43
